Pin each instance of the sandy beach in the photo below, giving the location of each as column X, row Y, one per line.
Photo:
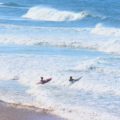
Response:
column 10, row 112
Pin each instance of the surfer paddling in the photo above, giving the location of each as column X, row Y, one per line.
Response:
column 74, row 80
column 42, row 81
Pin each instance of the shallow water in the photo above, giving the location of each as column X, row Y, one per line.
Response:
column 24, row 65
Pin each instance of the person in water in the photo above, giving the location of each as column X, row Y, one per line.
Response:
column 42, row 81
column 73, row 80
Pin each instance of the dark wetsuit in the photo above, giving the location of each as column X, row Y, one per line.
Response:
column 74, row 80
column 45, row 81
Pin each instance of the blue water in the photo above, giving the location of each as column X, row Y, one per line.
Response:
column 59, row 39
column 106, row 12
column 50, row 51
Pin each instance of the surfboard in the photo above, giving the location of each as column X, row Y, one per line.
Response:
column 45, row 81
column 75, row 80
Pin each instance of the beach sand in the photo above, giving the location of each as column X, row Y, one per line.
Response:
column 14, row 112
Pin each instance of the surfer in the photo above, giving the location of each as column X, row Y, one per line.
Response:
column 74, row 80
column 42, row 81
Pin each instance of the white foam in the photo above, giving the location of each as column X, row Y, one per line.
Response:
column 84, row 113
column 88, row 98
column 62, row 37
column 90, row 69
column 52, row 14
column 106, row 31
column 74, row 104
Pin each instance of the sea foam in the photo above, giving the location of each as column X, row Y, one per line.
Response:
column 99, row 84
column 106, row 31
column 63, row 37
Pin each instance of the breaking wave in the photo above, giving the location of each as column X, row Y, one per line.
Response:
column 98, row 38
column 52, row 14
column 106, row 31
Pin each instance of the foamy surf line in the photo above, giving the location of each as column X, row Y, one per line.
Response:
column 99, row 38
column 66, row 111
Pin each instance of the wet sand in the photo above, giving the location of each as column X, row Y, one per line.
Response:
column 9, row 112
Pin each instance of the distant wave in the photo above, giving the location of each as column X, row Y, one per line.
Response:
column 52, row 14
column 11, row 4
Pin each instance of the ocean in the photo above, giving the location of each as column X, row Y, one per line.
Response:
column 58, row 39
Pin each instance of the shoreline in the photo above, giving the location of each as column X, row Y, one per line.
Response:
column 21, row 112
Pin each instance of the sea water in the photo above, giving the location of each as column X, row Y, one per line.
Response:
column 59, row 39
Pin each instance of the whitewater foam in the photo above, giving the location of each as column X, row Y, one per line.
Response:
column 90, row 70
column 106, row 31
column 62, row 37
column 52, row 14
column 100, row 81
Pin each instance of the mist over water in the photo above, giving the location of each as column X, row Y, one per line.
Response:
column 59, row 39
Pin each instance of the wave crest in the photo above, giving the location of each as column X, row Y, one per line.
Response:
column 106, row 31
column 52, row 14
